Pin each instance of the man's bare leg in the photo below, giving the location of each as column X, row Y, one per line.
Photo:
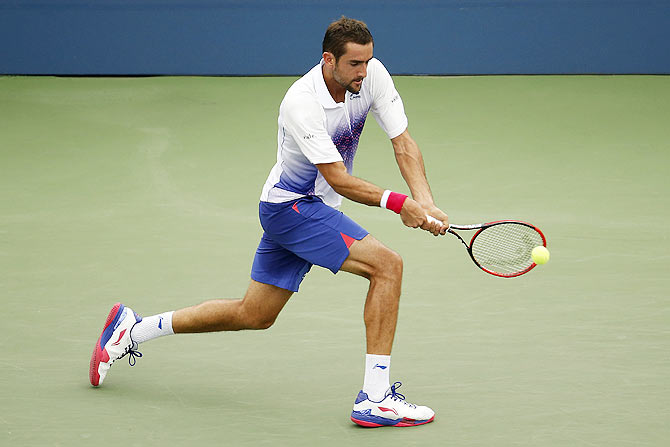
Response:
column 122, row 331
column 383, row 268
column 378, row 403
column 257, row 310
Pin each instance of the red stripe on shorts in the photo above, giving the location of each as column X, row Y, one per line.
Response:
column 347, row 239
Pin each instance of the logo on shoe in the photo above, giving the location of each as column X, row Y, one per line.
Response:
column 388, row 409
column 379, row 366
column 120, row 337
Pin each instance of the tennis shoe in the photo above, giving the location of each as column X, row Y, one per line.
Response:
column 393, row 410
column 114, row 342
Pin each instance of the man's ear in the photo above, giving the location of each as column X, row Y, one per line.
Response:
column 329, row 58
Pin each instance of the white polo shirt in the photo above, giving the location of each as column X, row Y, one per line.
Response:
column 314, row 129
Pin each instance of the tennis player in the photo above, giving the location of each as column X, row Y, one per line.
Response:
column 320, row 122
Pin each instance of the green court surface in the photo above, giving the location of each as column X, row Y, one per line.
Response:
column 145, row 191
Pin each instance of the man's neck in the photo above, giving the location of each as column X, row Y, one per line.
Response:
column 336, row 90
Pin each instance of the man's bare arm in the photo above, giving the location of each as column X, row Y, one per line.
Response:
column 410, row 161
column 361, row 191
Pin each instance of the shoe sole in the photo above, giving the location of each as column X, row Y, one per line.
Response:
column 392, row 423
column 100, row 354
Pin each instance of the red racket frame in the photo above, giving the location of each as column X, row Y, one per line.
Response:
column 482, row 227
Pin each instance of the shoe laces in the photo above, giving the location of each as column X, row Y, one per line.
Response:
column 396, row 396
column 132, row 353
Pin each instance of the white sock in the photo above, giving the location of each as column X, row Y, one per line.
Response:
column 153, row 327
column 376, row 381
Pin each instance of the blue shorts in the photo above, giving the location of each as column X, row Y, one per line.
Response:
column 299, row 234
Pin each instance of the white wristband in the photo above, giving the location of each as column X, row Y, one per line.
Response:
column 385, row 198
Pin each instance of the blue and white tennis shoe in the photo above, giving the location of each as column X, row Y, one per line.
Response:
column 114, row 342
column 393, row 410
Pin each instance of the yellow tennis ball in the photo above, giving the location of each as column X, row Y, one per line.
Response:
column 540, row 255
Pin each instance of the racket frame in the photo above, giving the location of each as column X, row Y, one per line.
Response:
column 481, row 227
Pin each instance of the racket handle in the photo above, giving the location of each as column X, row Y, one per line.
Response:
column 432, row 219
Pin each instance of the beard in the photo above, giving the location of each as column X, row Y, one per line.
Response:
column 351, row 88
column 348, row 86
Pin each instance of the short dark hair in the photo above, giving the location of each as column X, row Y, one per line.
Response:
column 343, row 31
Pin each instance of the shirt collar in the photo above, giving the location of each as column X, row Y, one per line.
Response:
column 322, row 92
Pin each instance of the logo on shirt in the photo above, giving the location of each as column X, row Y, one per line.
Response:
column 309, row 136
column 395, row 98
column 354, row 96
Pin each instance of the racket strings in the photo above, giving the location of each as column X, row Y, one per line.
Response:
column 505, row 248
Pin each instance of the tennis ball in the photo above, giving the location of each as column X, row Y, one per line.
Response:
column 540, row 255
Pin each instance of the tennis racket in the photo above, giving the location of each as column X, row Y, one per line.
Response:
column 501, row 248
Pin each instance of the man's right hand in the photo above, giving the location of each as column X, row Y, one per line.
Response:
column 413, row 215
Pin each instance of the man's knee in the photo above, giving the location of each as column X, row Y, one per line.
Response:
column 389, row 265
column 261, row 305
column 257, row 320
column 373, row 260
column 262, row 323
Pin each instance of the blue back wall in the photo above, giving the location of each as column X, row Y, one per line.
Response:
column 255, row 37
